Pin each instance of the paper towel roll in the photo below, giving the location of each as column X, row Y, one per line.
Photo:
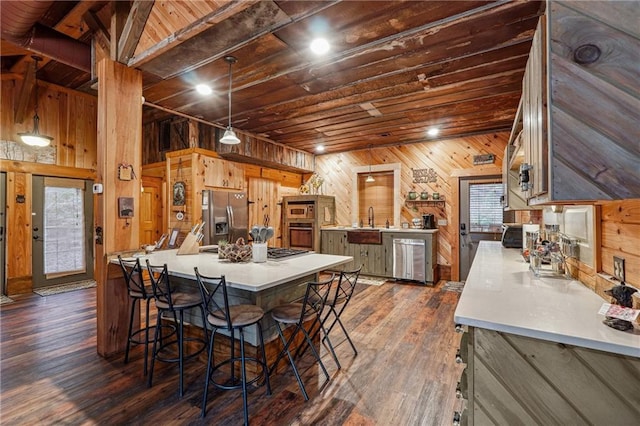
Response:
column 528, row 227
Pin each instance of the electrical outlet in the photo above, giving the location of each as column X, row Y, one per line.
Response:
column 618, row 268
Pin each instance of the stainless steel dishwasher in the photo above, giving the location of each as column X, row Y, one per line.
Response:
column 409, row 259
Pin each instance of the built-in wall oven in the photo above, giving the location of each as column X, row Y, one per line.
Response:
column 301, row 235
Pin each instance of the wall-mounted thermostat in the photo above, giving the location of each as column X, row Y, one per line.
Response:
column 97, row 188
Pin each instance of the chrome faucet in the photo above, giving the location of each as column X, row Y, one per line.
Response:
column 371, row 222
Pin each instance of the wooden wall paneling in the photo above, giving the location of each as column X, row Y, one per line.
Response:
column 620, row 236
column 119, row 141
column 605, row 136
column 444, row 156
column 19, row 252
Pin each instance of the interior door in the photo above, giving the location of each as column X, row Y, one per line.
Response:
column 151, row 228
column 480, row 216
column 3, row 227
column 62, row 236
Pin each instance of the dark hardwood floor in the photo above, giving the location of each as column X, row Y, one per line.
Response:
column 404, row 374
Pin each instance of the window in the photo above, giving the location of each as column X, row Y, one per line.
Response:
column 485, row 208
column 379, row 195
column 64, row 227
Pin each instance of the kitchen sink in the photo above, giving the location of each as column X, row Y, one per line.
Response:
column 364, row 236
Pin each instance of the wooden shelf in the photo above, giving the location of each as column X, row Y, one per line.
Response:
column 418, row 202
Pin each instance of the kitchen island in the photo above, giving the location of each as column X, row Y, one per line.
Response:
column 536, row 349
column 266, row 284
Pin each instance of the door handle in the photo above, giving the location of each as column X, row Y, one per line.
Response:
column 463, row 229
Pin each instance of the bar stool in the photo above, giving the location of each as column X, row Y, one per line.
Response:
column 337, row 304
column 174, row 303
column 221, row 316
column 298, row 314
column 138, row 291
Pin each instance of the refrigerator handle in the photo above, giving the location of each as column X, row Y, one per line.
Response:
column 231, row 224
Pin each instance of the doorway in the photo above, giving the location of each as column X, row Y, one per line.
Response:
column 62, row 231
column 480, row 216
column 151, row 213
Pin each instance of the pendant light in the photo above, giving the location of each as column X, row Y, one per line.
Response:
column 34, row 138
column 229, row 137
column 369, row 178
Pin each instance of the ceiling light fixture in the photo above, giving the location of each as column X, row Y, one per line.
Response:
column 319, row 46
column 369, row 178
column 433, row 131
column 34, row 138
column 320, row 148
column 229, row 137
column 204, row 89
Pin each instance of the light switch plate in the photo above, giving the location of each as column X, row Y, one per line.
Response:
column 442, row 222
column 618, row 268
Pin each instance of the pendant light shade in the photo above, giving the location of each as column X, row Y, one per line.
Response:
column 369, row 178
column 34, row 138
column 229, row 137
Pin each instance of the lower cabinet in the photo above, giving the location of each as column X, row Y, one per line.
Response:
column 377, row 259
column 511, row 379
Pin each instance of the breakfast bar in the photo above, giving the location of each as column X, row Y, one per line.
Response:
column 267, row 284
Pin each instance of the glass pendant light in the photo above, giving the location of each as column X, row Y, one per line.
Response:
column 369, row 178
column 34, row 138
column 229, row 136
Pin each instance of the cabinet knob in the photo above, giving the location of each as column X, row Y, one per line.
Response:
column 459, row 359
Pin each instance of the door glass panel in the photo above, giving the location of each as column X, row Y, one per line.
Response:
column 485, row 208
column 64, row 231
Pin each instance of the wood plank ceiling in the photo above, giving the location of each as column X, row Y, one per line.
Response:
column 394, row 69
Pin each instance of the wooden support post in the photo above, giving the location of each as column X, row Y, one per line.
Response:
column 119, row 141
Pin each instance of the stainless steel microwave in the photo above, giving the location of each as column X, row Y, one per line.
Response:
column 300, row 211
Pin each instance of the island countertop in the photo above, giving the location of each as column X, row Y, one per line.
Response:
column 502, row 294
column 245, row 276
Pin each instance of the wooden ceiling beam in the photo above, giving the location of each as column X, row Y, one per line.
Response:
column 28, row 84
column 133, row 29
column 100, row 32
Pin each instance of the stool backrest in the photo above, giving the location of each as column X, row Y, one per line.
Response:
column 160, row 283
column 214, row 297
column 132, row 272
column 346, row 286
column 315, row 299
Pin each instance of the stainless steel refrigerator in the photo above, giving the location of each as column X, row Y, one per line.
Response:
column 226, row 216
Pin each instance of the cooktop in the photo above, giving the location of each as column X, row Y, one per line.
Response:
column 280, row 252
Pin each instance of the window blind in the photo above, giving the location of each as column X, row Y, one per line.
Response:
column 485, row 208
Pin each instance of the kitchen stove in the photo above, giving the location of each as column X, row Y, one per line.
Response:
column 280, row 252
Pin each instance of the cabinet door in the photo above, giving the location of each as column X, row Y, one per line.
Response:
column 222, row 174
column 534, row 115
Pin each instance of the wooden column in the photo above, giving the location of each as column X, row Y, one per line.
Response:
column 119, row 142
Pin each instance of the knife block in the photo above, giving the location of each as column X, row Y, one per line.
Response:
column 190, row 245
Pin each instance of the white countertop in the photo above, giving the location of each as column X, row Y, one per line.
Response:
column 502, row 294
column 349, row 228
column 246, row 276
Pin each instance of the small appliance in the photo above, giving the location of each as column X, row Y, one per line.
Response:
column 512, row 235
column 428, row 221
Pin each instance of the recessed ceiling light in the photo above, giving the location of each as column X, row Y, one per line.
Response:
column 319, row 46
column 433, row 131
column 203, row 89
column 320, row 148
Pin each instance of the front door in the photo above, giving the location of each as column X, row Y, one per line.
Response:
column 62, row 236
column 480, row 216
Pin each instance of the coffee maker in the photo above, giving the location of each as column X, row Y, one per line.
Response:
column 428, row 221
